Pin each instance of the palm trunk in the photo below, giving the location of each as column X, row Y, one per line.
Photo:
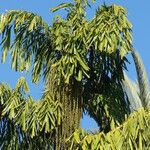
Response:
column 142, row 79
column 70, row 96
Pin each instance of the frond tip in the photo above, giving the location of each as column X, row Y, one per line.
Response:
column 22, row 85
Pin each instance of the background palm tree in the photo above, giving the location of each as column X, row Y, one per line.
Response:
column 138, row 93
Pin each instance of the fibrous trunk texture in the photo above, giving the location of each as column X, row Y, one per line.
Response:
column 70, row 97
column 71, row 100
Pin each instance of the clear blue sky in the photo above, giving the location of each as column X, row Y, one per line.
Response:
column 138, row 12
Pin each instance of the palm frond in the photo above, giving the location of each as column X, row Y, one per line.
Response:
column 61, row 6
column 132, row 93
column 26, row 37
column 31, row 116
column 132, row 134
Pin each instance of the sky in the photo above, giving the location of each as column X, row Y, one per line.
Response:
column 138, row 12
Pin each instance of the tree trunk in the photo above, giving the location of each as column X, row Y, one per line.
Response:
column 70, row 96
column 71, row 100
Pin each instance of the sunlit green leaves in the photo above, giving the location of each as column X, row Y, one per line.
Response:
column 32, row 116
column 111, row 31
column 30, row 35
column 69, row 50
column 22, row 85
column 71, row 53
column 122, row 137
column 61, row 6
column 67, row 40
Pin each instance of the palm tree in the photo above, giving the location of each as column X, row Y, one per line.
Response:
column 79, row 58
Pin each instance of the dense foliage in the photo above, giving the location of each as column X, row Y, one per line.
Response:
column 82, row 61
column 24, row 122
column 132, row 134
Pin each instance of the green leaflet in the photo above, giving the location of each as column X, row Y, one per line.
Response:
column 61, row 6
column 79, row 78
column 81, row 62
column 22, row 84
column 6, row 45
column 32, row 24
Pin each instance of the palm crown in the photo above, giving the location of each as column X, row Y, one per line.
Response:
column 82, row 61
